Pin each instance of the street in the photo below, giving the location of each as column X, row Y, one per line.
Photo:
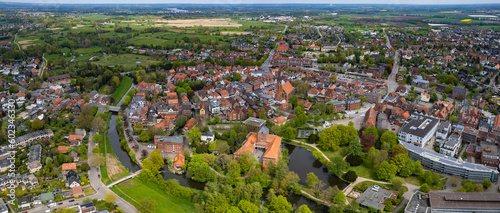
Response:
column 98, row 186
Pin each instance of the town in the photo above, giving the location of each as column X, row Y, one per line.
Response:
column 282, row 109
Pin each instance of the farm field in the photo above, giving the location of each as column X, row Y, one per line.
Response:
column 128, row 61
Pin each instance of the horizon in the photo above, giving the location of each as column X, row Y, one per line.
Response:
column 259, row 2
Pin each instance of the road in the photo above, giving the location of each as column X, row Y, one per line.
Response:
column 391, row 83
column 98, row 186
column 388, row 43
column 267, row 64
column 123, row 97
column 321, row 36
column 44, row 63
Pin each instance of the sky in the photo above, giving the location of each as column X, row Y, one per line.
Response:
column 389, row 2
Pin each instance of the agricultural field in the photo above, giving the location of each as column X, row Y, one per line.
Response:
column 128, row 61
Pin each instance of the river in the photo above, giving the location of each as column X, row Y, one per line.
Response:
column 117, row 148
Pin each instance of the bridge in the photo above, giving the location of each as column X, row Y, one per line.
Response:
column 124, row 179
column 114, row 109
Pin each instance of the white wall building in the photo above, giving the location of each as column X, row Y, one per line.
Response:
column 418, row 129
column 451, row 146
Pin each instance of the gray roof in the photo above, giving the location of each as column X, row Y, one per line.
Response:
column 419, row 125
column 34, row 154
column 169, row 139
column 453, row 162
column 211, row 134
column 418, row 204
column 464, row 200
column 32, row 134
column 453, row 140
column 373, row 197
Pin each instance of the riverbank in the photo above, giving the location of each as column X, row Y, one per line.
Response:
column 113, row 169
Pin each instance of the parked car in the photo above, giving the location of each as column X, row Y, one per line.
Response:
column 71, row 200
column 51, row 205
column 60, row 203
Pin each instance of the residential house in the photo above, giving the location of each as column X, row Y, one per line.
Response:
column 179, row 161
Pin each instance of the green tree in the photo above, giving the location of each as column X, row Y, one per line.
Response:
column 397, row 183
column 37, row 124
column 385, row 171
column 389, row 137
column 109, row 197
column 236, row 76
column 486, row 183
column 303, row 209
column 350, row 176
column 194, row 135
column 290, row 133
column 294, row 100
column 248, row 207
column 234, row 170
column 388, row 205
column 425, row 188
column 144, row 136
column 279, row 204
column 339, row 198
column 330, row 138
column 338, row 165
column 371, row 130
column 311, row 180
column 448, row 88
column 85, row 117
column 13, row 88
column 96, row 138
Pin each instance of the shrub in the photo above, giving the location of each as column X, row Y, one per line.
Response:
column 354, row 160
column 350, row 176
column 96, row 150
column 486, row 183
column 425, row 188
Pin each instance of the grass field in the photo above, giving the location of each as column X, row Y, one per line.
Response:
column 128, row 61
column 122, row 89
column 139, row 190
column 88, row 50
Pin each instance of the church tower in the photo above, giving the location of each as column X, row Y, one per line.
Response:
column 279, row 87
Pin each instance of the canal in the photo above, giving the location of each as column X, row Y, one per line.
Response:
column 301, row 162
column 122, row 154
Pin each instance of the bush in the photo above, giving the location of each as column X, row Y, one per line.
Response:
column 486, row 183
column 425, row 188
column 354, row 160
column 96, row 150
column 350, row 176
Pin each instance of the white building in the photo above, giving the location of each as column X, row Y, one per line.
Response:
column 207, row 137
column 443, row 130
column 418, row 129
column 451, row 146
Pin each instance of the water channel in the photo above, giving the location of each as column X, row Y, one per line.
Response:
column 301, row 162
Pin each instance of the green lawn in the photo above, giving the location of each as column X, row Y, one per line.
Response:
column 122, row 89
column 139, row 190
column 363, row 171
column 88, row 50
column 128, row 61
column 88, row 191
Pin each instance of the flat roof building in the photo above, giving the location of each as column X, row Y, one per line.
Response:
column 374, row 196
column 464, row 201
column 448, row 165
column 418, row 203
column 418, row 129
